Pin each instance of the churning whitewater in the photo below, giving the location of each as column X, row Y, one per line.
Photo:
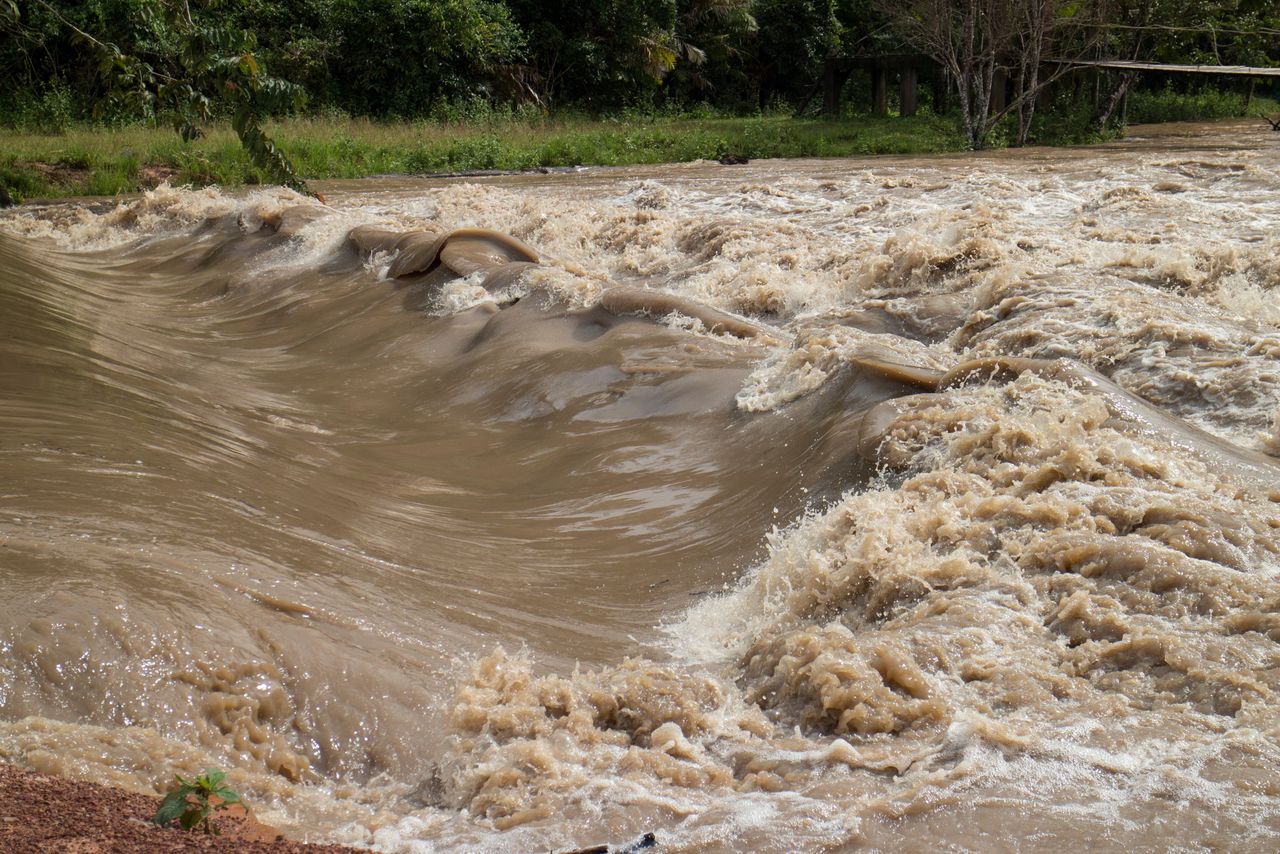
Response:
column 895, row 504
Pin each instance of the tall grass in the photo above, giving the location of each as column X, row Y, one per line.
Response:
column 97, row 160
column 1169, row 105
column 49, row 156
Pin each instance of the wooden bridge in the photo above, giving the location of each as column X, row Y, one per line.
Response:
column 907, row 67
column 910, row 68
column 1126, row 65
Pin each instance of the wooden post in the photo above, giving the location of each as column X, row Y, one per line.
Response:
column 879, row 91
column 999, row 82
column 907, row 92
column 940, row 87
column 830, row 90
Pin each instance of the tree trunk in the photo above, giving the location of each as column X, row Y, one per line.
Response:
column 962, row 92
column 1107, row 105
column 984, row 83
column 1030, row 90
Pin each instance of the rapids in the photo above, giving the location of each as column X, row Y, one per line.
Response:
column 890, row 504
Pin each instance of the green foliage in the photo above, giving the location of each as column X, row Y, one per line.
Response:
column 213, row 67
column 482, row 67
column 23, row 183
column 191, row 803
column 171, row 60
column 159, row 59
column 110, row 180
column 133, row 157
column 715, row 54
column 802, row 33
column 1069, row 123
column 52, row 111
column 403, row 57
column 599, row 54
column 74, row 158
column 1169, row 105
column 196, row 168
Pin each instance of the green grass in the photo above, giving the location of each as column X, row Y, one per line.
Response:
column 1167, row 105
column 92, row 160
column 60, row 159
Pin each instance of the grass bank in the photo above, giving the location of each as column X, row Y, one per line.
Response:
column 88, row 160
column 1170, row 105
column 103, row 161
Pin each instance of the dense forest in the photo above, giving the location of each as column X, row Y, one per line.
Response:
column 416, row 58
column 541, row 83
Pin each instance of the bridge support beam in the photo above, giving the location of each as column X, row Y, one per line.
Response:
column 830, row 90
column 907, row 92
column 879, row 91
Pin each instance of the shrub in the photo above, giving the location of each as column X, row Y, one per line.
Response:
column 192, row 803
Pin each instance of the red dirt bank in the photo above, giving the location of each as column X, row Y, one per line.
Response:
column 41, row 815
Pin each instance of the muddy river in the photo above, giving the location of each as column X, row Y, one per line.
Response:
column 900, row 504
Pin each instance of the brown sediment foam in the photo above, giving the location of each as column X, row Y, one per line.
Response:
column 464, row 251
column 1036, row 569
column 910, row 374
column 469, row 250
column 1258, row 469
column 929, row 318
column 1087, row 520
column 1210, row 364
column 819, row 354
column 376, row 238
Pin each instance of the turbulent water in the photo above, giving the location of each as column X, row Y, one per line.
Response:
column 898, row 504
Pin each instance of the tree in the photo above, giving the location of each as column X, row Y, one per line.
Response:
column 713, row 39
column 402, row 57
column 1237, row 32
column 602, row 54
column 968, row 38
column 979, row 42
column 185, row 65
column 796, row 38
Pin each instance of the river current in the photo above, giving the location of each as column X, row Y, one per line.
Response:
column 900, row 504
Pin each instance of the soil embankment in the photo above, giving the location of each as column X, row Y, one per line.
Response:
column 41, row 814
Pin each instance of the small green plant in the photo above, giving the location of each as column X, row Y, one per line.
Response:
column 192, row 802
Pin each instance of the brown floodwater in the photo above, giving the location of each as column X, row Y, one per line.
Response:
column 908, row 503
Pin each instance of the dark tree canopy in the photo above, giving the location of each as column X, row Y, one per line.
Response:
column 191, row 61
